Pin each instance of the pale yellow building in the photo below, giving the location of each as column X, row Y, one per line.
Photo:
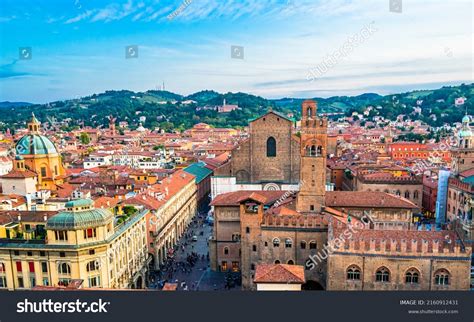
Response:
column 80, row 243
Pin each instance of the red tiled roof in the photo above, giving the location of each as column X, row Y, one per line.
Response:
column 279, row 273
column 233, row 198
column 15, row 174
column 366, row 199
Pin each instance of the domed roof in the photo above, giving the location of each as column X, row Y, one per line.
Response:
column 466, row 119
column 465, row 133
column 35, row 144
column 80, row 214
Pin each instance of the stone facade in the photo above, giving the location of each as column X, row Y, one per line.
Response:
column 408, row 189
column 276, row 227
column 411, row 260
column 252, row 161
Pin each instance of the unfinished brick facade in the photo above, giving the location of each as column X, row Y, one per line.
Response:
column 271, row 154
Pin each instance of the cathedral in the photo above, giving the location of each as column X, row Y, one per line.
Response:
column 344, row 240
column 36, row 153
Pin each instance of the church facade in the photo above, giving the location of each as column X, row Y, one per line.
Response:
column 40, row 156
column 303, row 226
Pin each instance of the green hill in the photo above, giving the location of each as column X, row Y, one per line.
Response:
column 166, row 109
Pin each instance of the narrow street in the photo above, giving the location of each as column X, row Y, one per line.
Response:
column 189, row 266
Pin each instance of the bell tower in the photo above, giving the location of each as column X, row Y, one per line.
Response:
column 313, row 159
column 463, row 153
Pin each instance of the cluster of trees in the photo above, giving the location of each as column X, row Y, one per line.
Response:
column 166, row 111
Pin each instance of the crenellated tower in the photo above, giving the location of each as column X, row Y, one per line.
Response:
column 313, row 159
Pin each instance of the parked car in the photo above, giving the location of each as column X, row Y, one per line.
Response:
column 195, row 238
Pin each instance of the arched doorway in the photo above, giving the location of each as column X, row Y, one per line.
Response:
column 139, row 282
column 312, row 286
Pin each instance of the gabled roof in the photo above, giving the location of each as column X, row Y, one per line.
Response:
column 279, row 273
column 272, row 112
column 232, row 198
column 254, row 196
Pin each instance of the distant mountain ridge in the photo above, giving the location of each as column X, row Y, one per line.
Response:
column 7, row 104
column 168, row 111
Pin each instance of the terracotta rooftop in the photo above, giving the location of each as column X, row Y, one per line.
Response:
column 16, row 174
column 233, row 198
column 279, row 273
column 367, row 199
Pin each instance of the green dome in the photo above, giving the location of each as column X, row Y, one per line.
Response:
column 465, row 133
column 466, row 119
column 35, row 144
column 75, row 220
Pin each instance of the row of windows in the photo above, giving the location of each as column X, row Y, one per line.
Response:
column 412, row 275
column 276, row 243
column 460, row 195
column 63, row 268
column 289, row 243
column 407, row 194
column 63, row 235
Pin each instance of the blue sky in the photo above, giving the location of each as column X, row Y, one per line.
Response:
column 78, row 46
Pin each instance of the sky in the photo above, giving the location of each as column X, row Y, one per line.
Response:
column 291, row 48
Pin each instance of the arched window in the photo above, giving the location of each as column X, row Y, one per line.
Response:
column 226, row 250
column 398, row 193
column 442, row 277
column 271, row 147
column 308, row 112
column 288, row 243
column 290, row 262
column 412, row 276
column 92, row 266
column 303, row 244
column 277, row 262
column 64, row 269
column 312, row 151
column 353, row 273
column 320, row 150
column 382, row 275
column 312, row 244
column 276, row 242
column 415, row 194
column 407, row 194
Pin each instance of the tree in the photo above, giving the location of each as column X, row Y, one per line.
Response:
column 85, row 139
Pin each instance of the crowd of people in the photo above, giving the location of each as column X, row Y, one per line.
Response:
column 180, row 261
